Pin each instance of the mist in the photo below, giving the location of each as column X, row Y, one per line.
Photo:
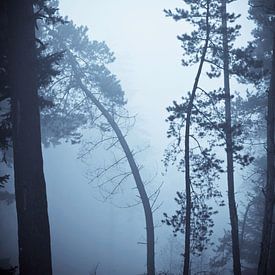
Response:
column 115, row 85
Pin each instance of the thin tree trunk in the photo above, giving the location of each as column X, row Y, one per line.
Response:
column 30, row 189
column 229, row 149
column 244, row 223
column 139, row 183
column 186, row 267
column 135, row 171
column 269, row 189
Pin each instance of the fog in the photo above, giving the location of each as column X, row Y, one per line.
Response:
column 89, row 233
column 146, row 51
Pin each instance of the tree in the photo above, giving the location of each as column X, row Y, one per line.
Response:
column 263, row 13
column 30, row 187
column 265, row 264
column 45, row 68
column 84, row 87
column 150, row 235
column 229, row 148
column 259, row 60
column 206, row 30
column 220, row 43
column 250, row 224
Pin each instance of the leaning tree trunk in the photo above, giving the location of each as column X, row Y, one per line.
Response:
column 186, row 266
column 229, row 149
column 135, row 171
column 139, row 184
column 30, row 189
column 270, row 184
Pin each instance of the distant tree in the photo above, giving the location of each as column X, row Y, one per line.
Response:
column 250, row 224
column 256, row 66
column 263, row 12
column 250, row 230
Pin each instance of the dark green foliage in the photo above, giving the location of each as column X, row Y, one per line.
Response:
column 46, row 71
column 248, row 66
column 71, row 111
column 252, row 64
column 208, row 123
column 47, row 11
column 192, row 43
column 93, row 56
column 201, row 221
column 63, row 113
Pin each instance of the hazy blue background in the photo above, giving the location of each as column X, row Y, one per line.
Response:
column 86, row 232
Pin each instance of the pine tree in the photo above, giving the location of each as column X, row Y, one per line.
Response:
column 30, row 187
column 91, row 91
column 221, row 39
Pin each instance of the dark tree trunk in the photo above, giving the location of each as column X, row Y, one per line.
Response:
column 135, row 171
column 271, row 260
column 269, row 189
column 186, row 266
column 229, row 149
column 30, row 189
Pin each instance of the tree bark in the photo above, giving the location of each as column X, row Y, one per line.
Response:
column 30, row 189
column 229, row 149
column 270, row 184
column 186, row 266
column 135, row 171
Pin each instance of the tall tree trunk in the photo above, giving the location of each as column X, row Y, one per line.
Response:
column 229, row 149
column 150, row 235
column 270, row 184
column 186, row 266
column 30, row 189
